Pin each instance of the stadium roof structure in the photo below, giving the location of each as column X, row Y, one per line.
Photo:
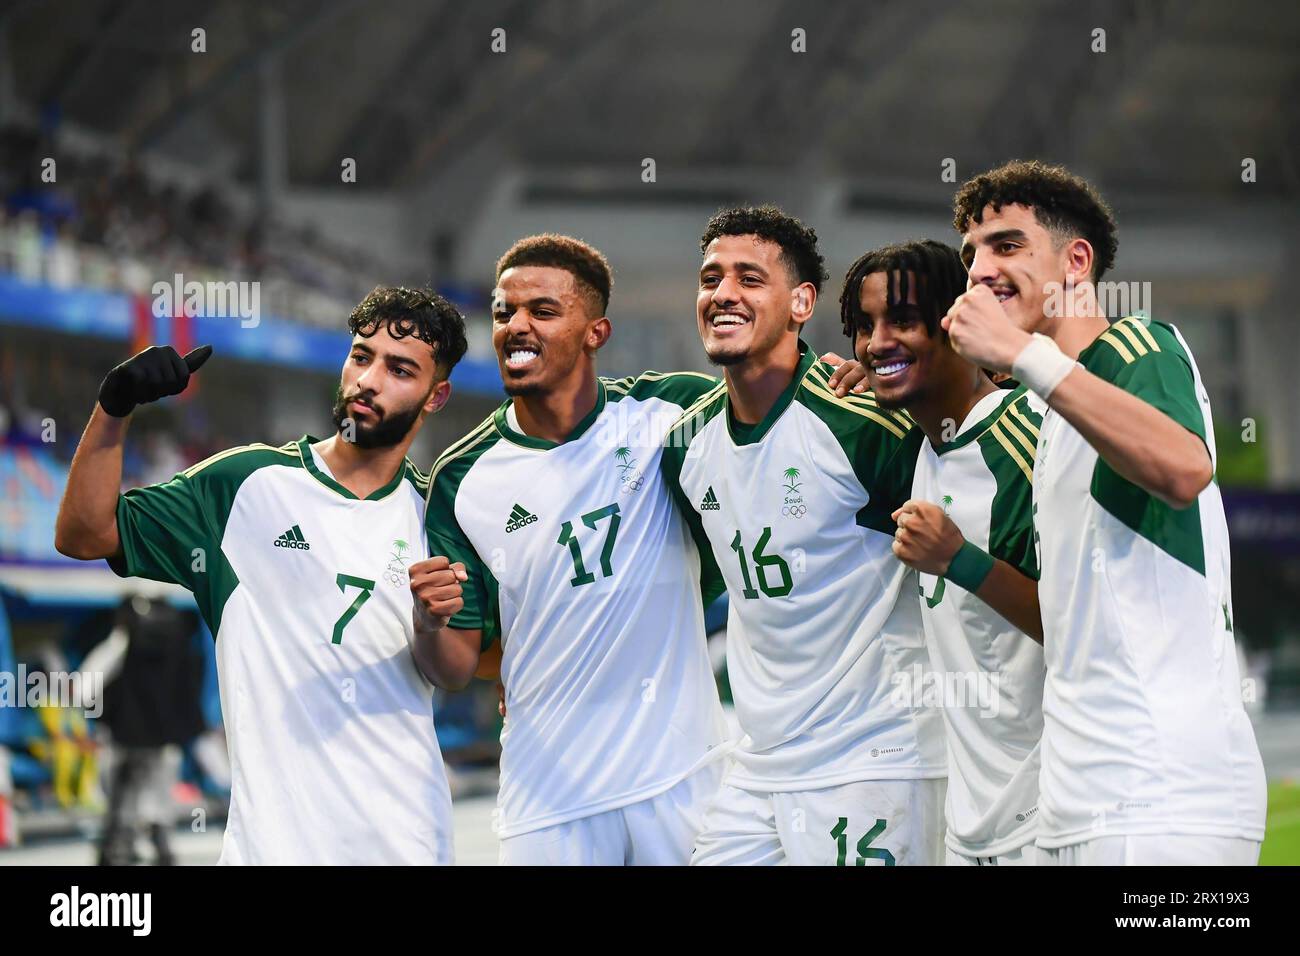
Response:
column 412, row 90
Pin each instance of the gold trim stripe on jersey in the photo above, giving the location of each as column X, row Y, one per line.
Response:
column 1136, row 325
column 1023, row 420
column 695, row 407
column 459, row 448
column 1131, row 331
column 1011, row 450
column 1139, row 347
column 289, row 449
column 617, row 384
column 1013, row 430
column 1009, row 431
column 878, row 417
column 865, row 400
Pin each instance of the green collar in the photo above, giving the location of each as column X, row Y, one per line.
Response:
column 742, row 434
column 545, row 444
column 980, row 427
column 309, row 462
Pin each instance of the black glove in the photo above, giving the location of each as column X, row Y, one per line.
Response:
column 153, row 374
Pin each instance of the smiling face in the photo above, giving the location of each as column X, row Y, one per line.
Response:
column 905, row 363
column 748, row 302
column 388, row 385
column 543, row 328
column 1017, row 257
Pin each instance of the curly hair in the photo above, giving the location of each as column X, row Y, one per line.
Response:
column 798, row 242
column 584, row 262
column 938, row 270
column 418, row 312
column 1065, row 204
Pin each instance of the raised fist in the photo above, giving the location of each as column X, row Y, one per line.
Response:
column 435, row 586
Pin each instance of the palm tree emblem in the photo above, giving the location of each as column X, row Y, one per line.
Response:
column 624, row 456
column 791, row 474
column 400, row 551
column 947, row 503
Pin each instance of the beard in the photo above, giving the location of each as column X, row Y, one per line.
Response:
column 515, row 389
column 390, row 430
column 894, row 404
column 724, row 359
column 765, row 335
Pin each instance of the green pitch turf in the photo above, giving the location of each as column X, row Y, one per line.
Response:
column 1282, row 833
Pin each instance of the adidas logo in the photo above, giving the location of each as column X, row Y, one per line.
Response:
column 710, row 502
column 518, row 518
column 293, row 539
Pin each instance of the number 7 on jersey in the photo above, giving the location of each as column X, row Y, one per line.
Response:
column 344, row 581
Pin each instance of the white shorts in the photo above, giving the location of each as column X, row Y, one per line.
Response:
column 1027, row 855
column 658, row 831
column 866, row 823
column 1160, row 850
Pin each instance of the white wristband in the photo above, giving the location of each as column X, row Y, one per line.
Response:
column 1041, row 365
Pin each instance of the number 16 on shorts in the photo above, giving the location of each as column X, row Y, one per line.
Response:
column 865, row 851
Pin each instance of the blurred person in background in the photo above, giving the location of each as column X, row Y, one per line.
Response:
column 8, row 823
column 151, row 679
column 62, row 740
column 9, row 735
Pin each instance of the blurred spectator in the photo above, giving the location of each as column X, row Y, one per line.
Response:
column 105, row 222
column 8, row 823
column 8, row 736
column 152, row 682
column 67, row 748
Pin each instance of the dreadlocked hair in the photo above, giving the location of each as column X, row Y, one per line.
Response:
column 936, row 268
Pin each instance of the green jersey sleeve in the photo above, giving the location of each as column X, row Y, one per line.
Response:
column 1149, row 361
column 173, row 531
column 1008, row 447
column 447, row 539
column 671, row 462
column 711, row 583
column 682, row 389
column 886, row 467
column 168, row 531
column 881, row 444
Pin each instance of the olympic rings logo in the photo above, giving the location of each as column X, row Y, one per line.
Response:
column 794, row 511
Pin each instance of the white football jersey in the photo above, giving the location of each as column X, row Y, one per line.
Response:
column 1145, row 732
column 329, row 724
column 987, row 673
column 579, row 562
column 797, row 510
